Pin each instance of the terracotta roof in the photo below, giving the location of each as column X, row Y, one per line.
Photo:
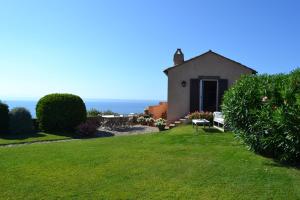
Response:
column 210, row 51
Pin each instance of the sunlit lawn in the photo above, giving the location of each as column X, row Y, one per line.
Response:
column 176, row 164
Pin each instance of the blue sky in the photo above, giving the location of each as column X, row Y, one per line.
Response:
column 118, row 49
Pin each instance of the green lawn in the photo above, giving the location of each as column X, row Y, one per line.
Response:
column 176, row 164
column 32, row 137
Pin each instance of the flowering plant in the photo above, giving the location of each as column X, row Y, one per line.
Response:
column 160, row 123
column 141, row 120
column 201, row 115
column 149, row 121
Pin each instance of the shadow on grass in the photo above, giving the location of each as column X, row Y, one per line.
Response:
column 36, row 136
column 134, row 128
column 212, row 130
column 21, row 136
column 276, row 163
column 104, row 134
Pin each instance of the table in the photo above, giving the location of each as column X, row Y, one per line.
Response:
column 198, row 122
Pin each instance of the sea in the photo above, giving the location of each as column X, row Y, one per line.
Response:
column 119, row 106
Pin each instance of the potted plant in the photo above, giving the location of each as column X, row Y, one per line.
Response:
column 160, row 124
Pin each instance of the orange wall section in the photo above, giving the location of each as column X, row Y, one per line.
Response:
column 158, row 110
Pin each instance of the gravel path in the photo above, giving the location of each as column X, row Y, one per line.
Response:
column 134, row 130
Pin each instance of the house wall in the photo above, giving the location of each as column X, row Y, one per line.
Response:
column 209, row 64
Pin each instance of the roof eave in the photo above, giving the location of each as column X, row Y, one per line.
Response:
column 210, row 51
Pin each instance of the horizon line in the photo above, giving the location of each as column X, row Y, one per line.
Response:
column 84, row 99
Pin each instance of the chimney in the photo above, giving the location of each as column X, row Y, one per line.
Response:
column 178, row 57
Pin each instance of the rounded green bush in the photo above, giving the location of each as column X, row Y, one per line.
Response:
column 264, row 111
column 60, row 112
column 20, row 121
column 4, row 118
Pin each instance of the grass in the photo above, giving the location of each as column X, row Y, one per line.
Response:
column 30, row 137
column 176, row 164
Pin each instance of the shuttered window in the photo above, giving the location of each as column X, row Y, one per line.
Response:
column 194, row 95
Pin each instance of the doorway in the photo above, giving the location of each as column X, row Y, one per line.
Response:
column 208, row 95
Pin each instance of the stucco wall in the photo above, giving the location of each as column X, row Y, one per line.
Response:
column 209, row 64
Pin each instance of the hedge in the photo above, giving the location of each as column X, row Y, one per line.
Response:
column 264, row 111
column 60, row 112
column 20, row 121
column 4, row 118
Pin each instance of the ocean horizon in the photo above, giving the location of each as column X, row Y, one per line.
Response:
column 116, row 105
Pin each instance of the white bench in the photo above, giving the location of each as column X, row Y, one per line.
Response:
column 218, row 121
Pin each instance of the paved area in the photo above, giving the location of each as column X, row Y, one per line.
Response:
column 134, row 130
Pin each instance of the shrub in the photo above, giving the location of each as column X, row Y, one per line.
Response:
column 160, row 123
column 133, row 120
column 141, row 120
column 89, row 127
column 149, row 121
column 147, row 113
column 93, row 112
column 201, row 115
column 4, row 118
column 35, row 125
column 20, row 121
column 60, row 112
column 263, row 110
column 109, row 112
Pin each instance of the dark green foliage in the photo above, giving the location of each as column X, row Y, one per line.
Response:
column 4, row 118
column 60, row 112
column 93, row 112
column 264, row 110
column 20, row 121
column 108, row 112
column 35, row 124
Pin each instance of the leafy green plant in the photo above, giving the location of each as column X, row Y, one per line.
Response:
column 149, row 121
column 4, row 118
column 108, row 112
column 160, row 123
column 147, row 114
column 141, row 120
column 93, row 112
column 263, row 110
column 20, row 121
column 60, row 112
